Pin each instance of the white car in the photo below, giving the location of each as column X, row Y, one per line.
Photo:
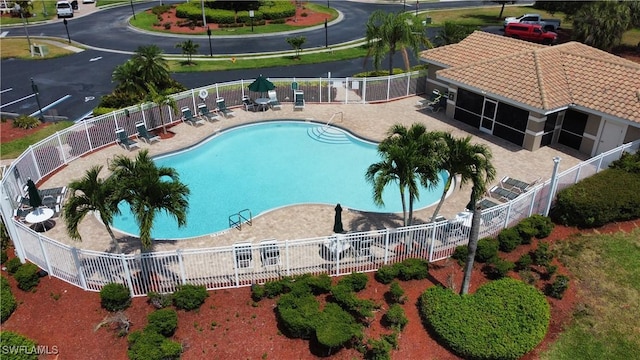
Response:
column 64, row 9
column 88, row 1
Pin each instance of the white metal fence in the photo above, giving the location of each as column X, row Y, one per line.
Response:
column 242, row 265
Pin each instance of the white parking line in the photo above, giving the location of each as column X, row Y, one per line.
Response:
column 15, row 101
column 3, row 34
column 5, row 90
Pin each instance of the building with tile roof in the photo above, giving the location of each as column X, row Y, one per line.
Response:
column 535, row 95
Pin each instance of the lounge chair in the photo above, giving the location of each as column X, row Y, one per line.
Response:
column 487, row 203
column 437, row 101
column 298, row 98
column 269, row 253
column 249, row 105
column 205, row 113
column 122, row 138
column 501, row 193
column 243, row 255
column 515, row 184
column 222, row 108
column 273, row 100
column 144, row 134
column 187, row 116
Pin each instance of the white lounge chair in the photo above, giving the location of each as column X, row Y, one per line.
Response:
column 298, row 98
column 273, row 100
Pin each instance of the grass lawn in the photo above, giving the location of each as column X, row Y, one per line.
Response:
column 486, row 15
column 606, row 325
column 11, row 149
column 19, row 48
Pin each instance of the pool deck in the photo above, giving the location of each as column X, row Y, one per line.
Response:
column 369, row 121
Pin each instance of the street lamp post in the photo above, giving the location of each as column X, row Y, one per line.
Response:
column 209, row 35
column 204, row 17
column 65, row 22
column 34, row 88
column 251, row 15
column 132, row 11
column 417, row 5
column 326, row 34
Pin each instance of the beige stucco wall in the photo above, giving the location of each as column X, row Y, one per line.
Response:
column 587, row 145
column 593, row 124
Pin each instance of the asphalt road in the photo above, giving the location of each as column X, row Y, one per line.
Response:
column 71, row 86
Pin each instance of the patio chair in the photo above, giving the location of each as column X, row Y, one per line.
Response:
column 248, row 103
column 363, row 248
column 487, row 204
column 515, row 184
column 205, row 113
column 501, row 193
column 273, row 100
column 122, row 138
column 243, row 255
column 222, row 108
column 187, row 116
column 269, row 253
column 144, row 134
column 298, row 98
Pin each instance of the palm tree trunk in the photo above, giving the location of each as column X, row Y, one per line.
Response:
column 473, row 245
column 409, row 239
column 113, row 237
column 392, row 52
column 501, row 11
column 164, row 128
column 447, row 186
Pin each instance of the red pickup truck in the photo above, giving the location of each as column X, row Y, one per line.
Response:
column 530, row 32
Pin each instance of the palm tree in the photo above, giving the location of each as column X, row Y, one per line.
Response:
column 151, row 66
column 91, row 194
column 392, row 32
column 160, row 98
column 127, row 78
column 149, row 189
column 458, row 157
column 189, row 48
column 453, row 33
column 602, row 23
column 481, row 172
column 405, row 162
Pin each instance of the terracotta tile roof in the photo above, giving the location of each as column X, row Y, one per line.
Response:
column 545, row 77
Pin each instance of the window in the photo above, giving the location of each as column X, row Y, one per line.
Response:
column 470, row 101
column 549, row 127
column 572, row 129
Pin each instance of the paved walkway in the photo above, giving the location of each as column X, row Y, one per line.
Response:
column 370, row 121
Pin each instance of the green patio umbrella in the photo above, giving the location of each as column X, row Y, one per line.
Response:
column 34, row 196
column 337, row 222
column 261, row 85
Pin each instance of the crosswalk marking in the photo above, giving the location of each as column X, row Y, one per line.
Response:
column 3, row 34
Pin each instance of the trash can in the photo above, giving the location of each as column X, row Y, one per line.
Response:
column 74, row 4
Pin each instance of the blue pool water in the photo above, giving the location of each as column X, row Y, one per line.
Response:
column 270, row 165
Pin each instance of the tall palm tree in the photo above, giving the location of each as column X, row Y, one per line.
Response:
column 602, row 23
column 91, row 194
column 188, row 48
column 457, row 157
column 388, row 33
column 127, row 78
column 160, row 99
column 406, row 163
column 149, row 189
column 481, row 172
column 151, row 66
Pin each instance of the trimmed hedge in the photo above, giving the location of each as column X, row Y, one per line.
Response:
column 608, row 196
column 395, row 317
column 13, row 265
column 27, row 276
column 190, row 297
column 504, row 319
column 164, row 322
column 558, row 287
column 486, row 251
column 509, row 239
column 149, row 345
column 298, row 315
column 336, row 327
column 10, row 339
column 354, row 281
column 8, row 302
column 409, row 269
column 347, row 299
column 114, row 297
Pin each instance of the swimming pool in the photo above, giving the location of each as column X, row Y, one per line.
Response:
column 265, row 166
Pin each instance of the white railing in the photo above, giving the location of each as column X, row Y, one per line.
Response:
column 218, row 268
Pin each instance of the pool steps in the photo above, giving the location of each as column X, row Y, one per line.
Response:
column 328, row 134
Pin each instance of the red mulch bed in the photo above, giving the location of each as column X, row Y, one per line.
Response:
column 9, row 133
column 59, row 314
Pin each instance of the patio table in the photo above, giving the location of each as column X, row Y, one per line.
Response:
column 263, row 103
column 40, row 216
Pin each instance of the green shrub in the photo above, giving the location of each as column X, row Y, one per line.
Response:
column 27, row 276
column 413, row 269
column 13, row 265
column 274, row 288
column 504, row 319
column 348, row 300
column 103, row 110
column 487, row 250
column 509, row 239
column 592, row 203
column 26, row 122
column 3, row 257
column 498, row 269
column 628, row 162
column 164, row 322
column 526, row 230
column 543, row 225
column 159, row 301
column 149, row 345
column 8, row 302
column 190, row 297
column 395, row 317
column 380, row 349
column 320, row 284
column 257, row 292
column 336, row 327
column 542, row 255
column 386, row 274
column 298, row 315
column 558, row 287
column 115, row 297
column 549, row 271
column 396, row 293
column 12, row 340
column 460, row 254
column 524, row 262
column 354, row 281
